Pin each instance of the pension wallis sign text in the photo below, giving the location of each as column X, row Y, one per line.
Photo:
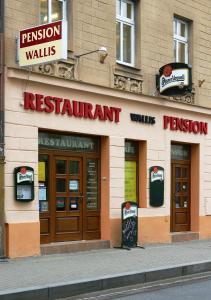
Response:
column 174, row 79
column 43, row 44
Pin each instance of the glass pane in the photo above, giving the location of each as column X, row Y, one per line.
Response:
column 181, row 52
column 74, row 167
column 127, row 33
column 74, row 203
column 68, row 142
column 180, row 152
column 185, row 186
column 60, row 203
column 43, row 11
column 118, row 7
column 185, row 173
column 130, row 181
column 177, row 201
column 175, row 27
column 92, row 184
column 43, row 168
column 178, row 187
column 178, row 172
column 61, row 167
column 118, row 57
column 129, row 10
column 185, row 202
column 60, row 185
column 131, row 148
column 182, row 30
column 74, row 186
column 56, row 10
column 175, row 50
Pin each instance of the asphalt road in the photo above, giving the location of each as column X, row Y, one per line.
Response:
column 191, row 287
column 193, row 291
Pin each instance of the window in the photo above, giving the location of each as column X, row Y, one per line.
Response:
column 131, row 171
column 52, row 10
column 180, row 41
column 125, row 31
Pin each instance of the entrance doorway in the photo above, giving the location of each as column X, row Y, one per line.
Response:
column 180, row 188
column 69, row 191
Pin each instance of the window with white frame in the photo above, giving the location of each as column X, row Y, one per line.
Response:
column 180, row 41
column 52, row 10
column 125, row 32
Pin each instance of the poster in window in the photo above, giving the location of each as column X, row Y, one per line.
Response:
column 92, row 184
column 41, row 171
column 42, row 193
column 130, row 181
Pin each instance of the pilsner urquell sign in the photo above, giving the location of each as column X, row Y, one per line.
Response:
column 43, row 44
column 175, row 79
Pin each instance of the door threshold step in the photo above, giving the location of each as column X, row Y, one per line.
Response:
column 184, row 236
column 73, row 246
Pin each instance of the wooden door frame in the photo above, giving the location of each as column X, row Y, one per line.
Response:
column 51, row 214
column 180, row 162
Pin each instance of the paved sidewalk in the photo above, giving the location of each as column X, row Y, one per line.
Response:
column 62, row 275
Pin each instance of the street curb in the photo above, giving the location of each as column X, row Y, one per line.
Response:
column 56, row 291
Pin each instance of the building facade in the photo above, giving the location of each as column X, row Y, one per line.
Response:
column 96, row 130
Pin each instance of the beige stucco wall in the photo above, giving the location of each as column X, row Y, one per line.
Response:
column 21, row 134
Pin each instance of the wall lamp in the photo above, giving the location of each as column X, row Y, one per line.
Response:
column 103, row 53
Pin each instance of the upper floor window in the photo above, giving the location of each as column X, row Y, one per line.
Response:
column 52, row 10
column 180, row 41
column 125, row 31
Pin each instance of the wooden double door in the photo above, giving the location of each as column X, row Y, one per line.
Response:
column 180, row 199
column 73, row 198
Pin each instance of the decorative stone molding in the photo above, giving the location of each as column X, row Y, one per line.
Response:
column 129, row 84
column 188, row 98
column 60, row 69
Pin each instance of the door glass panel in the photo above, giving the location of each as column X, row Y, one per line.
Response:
column 74, row 203
column 43, row 168
column 185, row 186
column 185, row 173
column 185, row 202
column 74, row 167
column 61, row 167
column 92, row 184
column 60, row 185
column 177, row 201
column 180, row 152
column 60, row 203
column 178, row 172
column 178, row 187
column 74, row 186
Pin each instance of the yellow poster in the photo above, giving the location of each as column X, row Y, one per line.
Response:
column 130, row 181
column 41, row 171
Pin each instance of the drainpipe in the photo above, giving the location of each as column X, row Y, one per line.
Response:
column 2, row 161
